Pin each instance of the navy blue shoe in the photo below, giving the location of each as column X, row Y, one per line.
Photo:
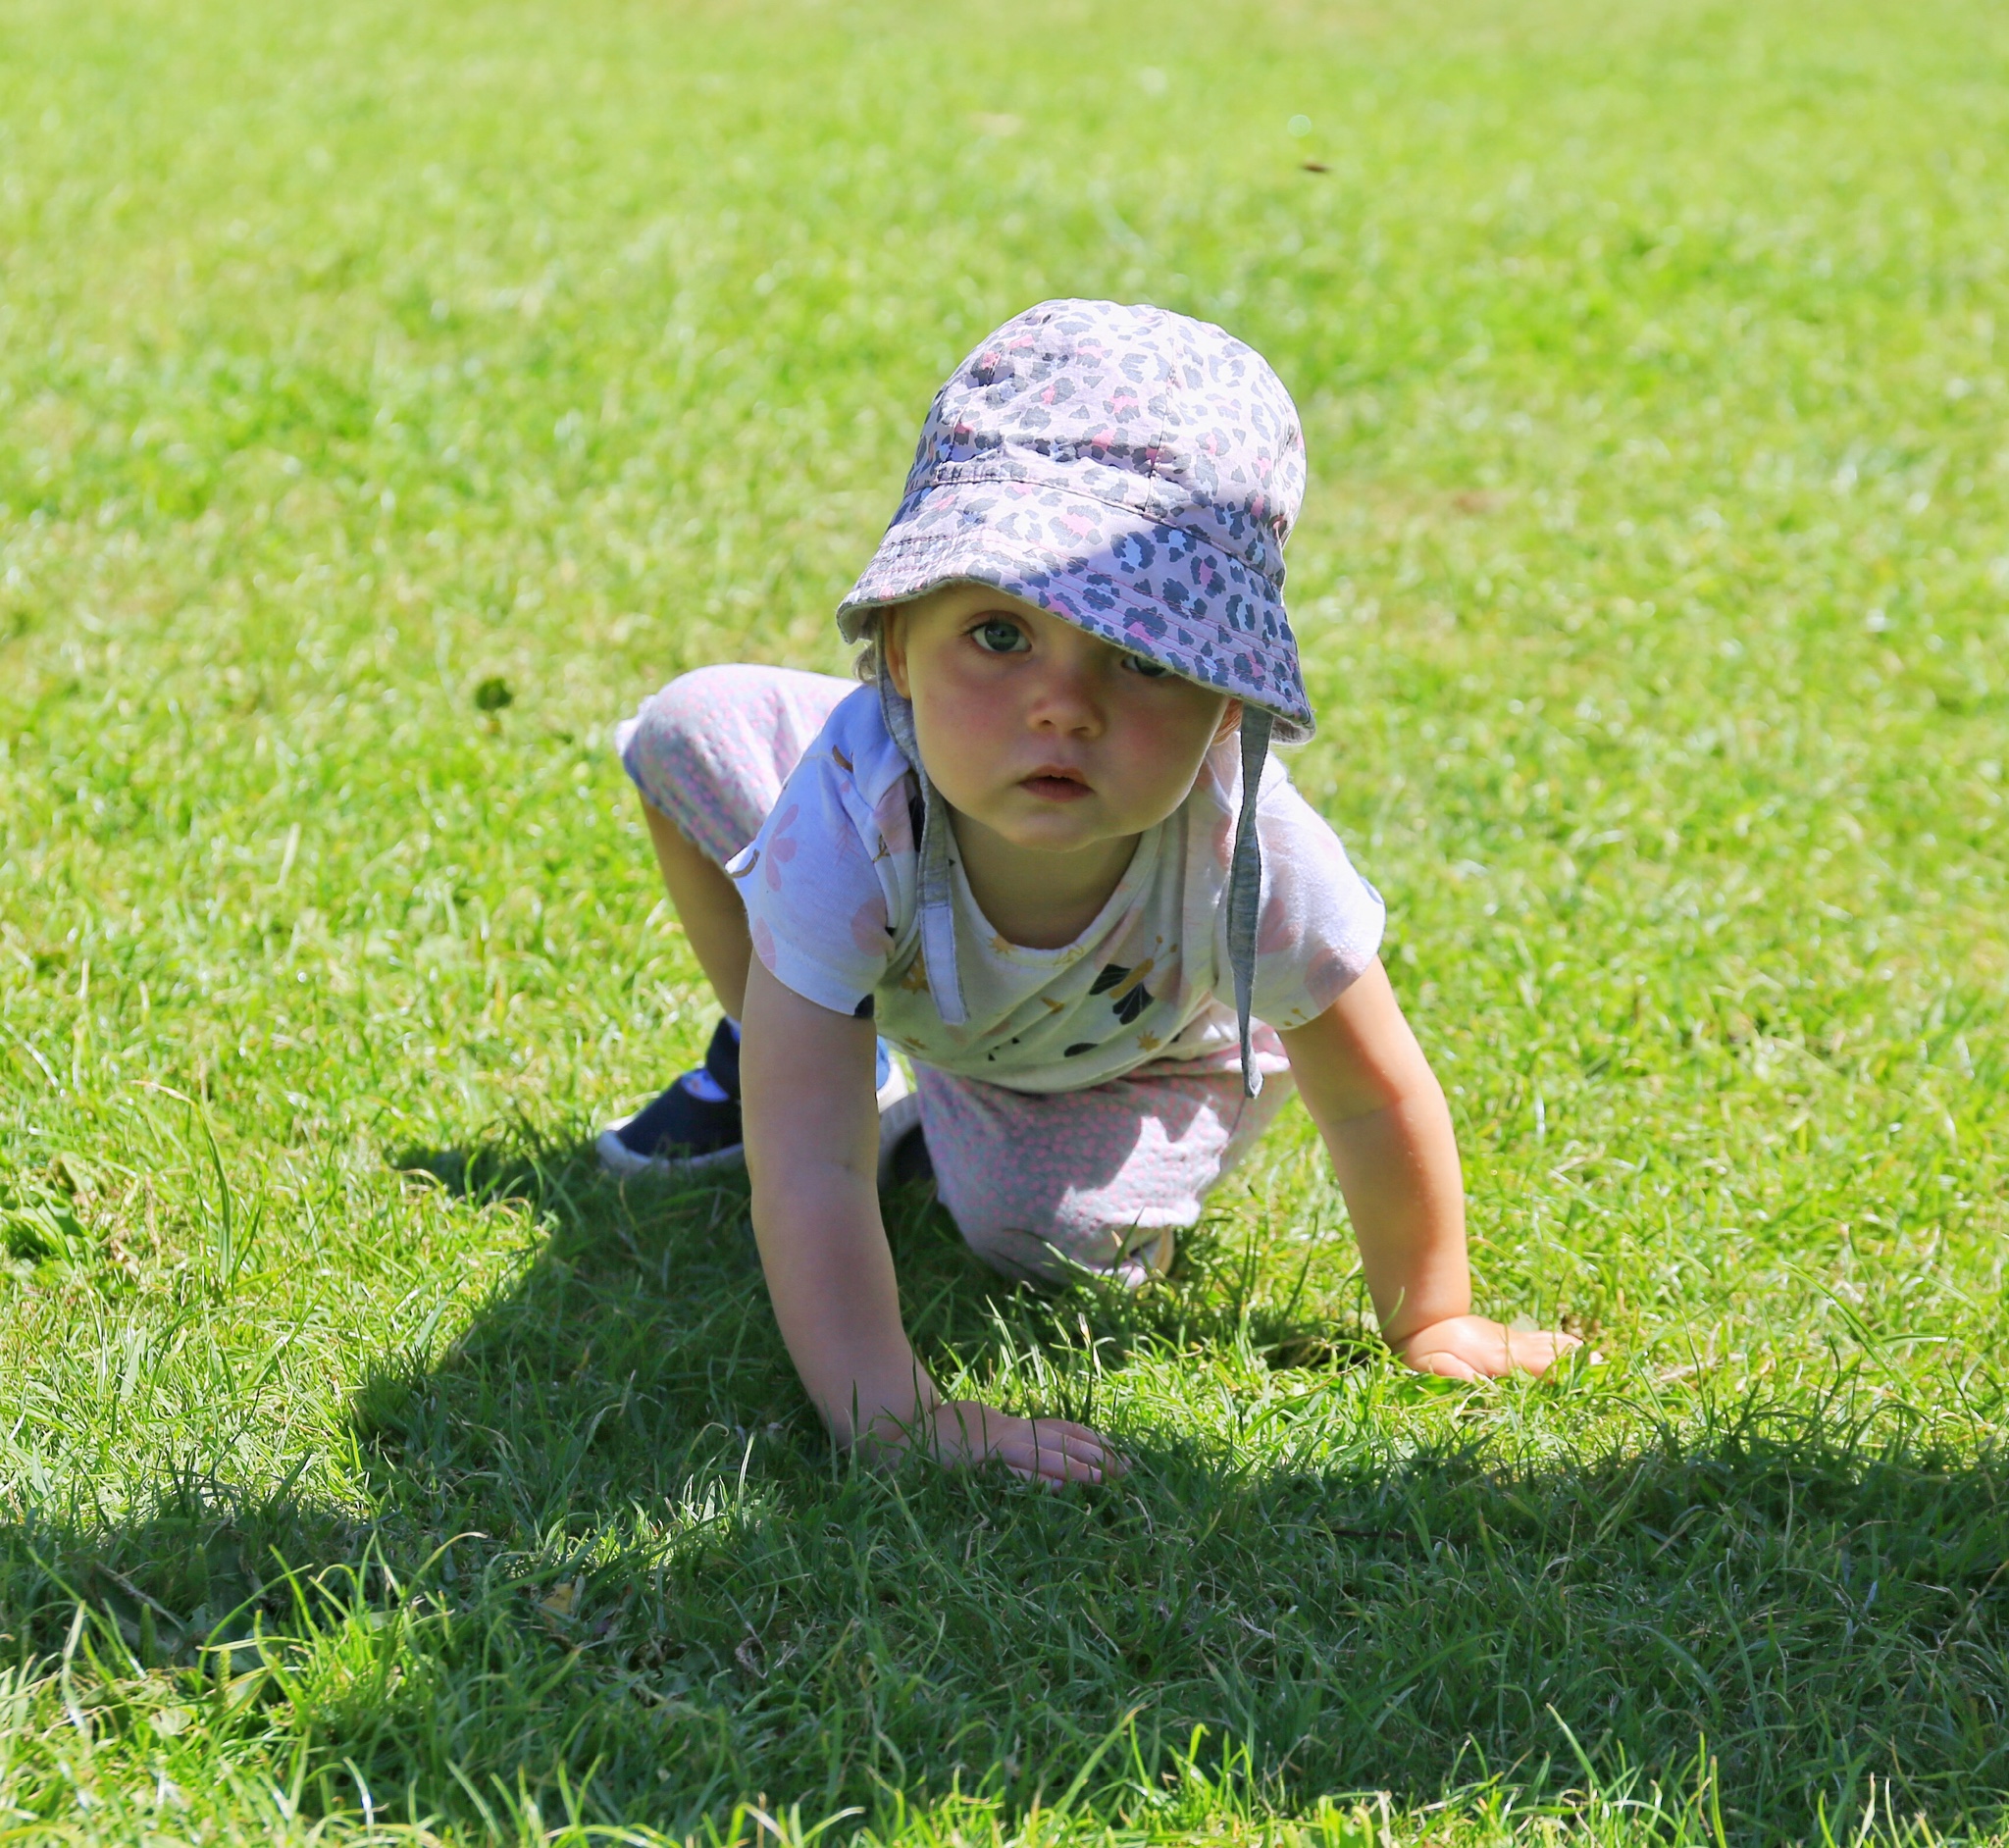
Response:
column 695, row 1124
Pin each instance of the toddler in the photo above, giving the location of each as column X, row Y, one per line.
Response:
column 1045, row 853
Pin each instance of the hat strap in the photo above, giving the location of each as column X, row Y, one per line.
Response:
column 935, row 897
column 1245, row 883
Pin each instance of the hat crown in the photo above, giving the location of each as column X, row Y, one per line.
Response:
column 1131, row 471
column 1170, row 417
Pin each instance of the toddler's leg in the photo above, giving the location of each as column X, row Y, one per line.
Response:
column 708, row 906
column 1101, row 1179
column 710, row 755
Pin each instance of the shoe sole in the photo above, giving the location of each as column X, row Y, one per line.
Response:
column 618, row 1158
column 895, row 1095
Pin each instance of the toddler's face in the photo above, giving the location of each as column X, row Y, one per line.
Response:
column 1039, row 732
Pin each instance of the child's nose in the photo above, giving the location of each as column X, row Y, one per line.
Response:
column 1066, row 701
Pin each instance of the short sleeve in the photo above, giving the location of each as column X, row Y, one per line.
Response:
column 1322, row 922
column 817, row 905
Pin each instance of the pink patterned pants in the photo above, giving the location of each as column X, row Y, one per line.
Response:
column 1040, row 1183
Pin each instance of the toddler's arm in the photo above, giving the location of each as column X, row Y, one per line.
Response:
column 1379, row 1108
column 812, row 1148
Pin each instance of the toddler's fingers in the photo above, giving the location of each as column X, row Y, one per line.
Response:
column 1083, row 1443
column 1071, row 1436
column 1445, row 1364
column 1537, row 1353
column 1071, row 1459
column 1048, row 1467
column 1056, row 1452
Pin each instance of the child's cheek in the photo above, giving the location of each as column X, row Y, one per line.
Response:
column 960, row 730
column 1165, row 748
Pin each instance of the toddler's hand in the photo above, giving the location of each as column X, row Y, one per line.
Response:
column 1473, row 1347
column 1047, row 1451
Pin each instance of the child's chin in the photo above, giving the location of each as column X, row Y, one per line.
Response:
column 1056, row 836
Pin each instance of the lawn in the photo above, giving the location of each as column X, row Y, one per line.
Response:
column 393, row 394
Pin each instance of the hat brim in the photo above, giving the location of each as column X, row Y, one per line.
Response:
column 1157, row 590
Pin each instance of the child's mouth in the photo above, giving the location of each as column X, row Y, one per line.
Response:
column 1055, row 786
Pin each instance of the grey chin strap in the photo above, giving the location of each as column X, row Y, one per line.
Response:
column 936, row 895
column 1245, row 885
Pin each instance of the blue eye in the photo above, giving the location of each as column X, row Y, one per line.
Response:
column 1150, row 669
column 999, row 635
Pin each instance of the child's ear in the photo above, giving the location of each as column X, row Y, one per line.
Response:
column 1230, row 722
column 892, row 650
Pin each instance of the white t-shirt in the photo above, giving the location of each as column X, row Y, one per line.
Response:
column 831, row 888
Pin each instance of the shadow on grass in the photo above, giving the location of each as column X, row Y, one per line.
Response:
column 618, row 1554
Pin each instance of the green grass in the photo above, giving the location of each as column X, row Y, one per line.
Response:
column 370, row 1464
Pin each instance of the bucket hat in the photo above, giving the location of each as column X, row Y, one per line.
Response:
column 1135, row 473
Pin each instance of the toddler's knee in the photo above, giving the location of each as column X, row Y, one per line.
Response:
column 1060, row 1253
column 687, row 711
